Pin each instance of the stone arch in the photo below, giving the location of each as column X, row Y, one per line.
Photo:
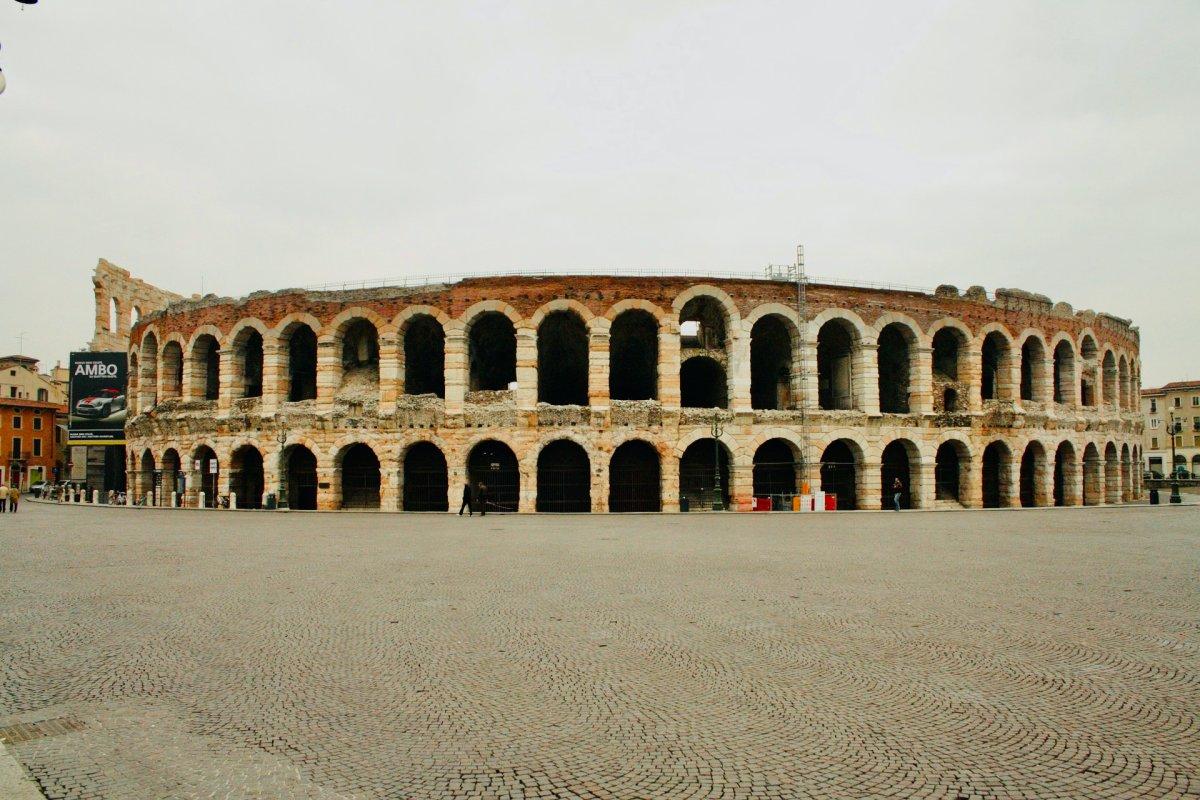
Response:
column 1089, row 379
column 357, row 476
column 247, row 341
column 299, row 465
column 900, row 460
column 635, row 304
column 1063, row 379
column 733, row 319
column 490, row 328
column 1093, row 475
column 633, row 354
column 1066, row 475
column 837, row 343
column 247, row 480
column 564, row 475
column 1108, row 369
column 635, row 476
column 426, row 477
column 774, row 346
column 297, row 335
column 148, row 380
column 423, row 352
column 1127, row 467
column 1112, row 474
column 1035, row 469
column 897, row 340
column 952, row 467
column 996, row 464
column 204, row 358
column 114, row 315
column 777, row 470
column 995, row 347
column 493, row 462
column 1034, row 357
column 563, row 354
column 171, row 367
column 561, row 304
column 703, row 383
column 701, row 466
column 842, row 462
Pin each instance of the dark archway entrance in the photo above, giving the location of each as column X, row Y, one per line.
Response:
column 492, row 352
column 697, row 474
column 948, row 470
column 302, row 363
column 702, row 383
column 895, row 463
column 835, row 370
column 995, row 478
column 424, row 356
column 839, row 474
column 301, row 474
column 360, row 477
column 633, row 356
column 208, row 476
column 426, row 480
column 246, row 476
column 1033, row 465
column 775, row 468
column 564, row 478
column 493, row 464
column 635, row 478
column 894, row 357
column 563, row 360
column 771, row 363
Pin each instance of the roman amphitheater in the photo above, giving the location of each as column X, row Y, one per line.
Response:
column 624, row 393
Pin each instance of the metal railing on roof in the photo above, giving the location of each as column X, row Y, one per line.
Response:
column 416, row 281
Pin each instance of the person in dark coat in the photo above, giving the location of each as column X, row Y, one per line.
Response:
column 483, row 499
column 897, row 492
column 466, row 501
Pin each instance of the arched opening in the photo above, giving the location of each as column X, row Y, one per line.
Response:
column 360, row 362
column 426, row 479
column 1064, row 373
column 359, row 468
column 1087, row 381
column 894, row 354
column 950, row 401
column 1127, row 473
column 172, row 480
column 895, row 464
column 492, row 352
column 1065, row 476
column 209, row 474
column 301, row 472
column 635, row 478
column 1126, row 397
column 771, row 363
column 1033, row 475
column 702, row 383
column 1109, row 367
column 949, row 348
column 246, row 476
column 994, row 366
column 113, row 313
column 135, row 316
column 148, row 479
column 950, row 472
column 149, row 378
column 1180, row 470
column 248, row 363
column 172, row 369
column 492, row 467
column 839, row 473
column 1195, row 466
column 564, row 478
column 424, row 357
column 997, row 475
column 1093, row 476
column 206, row 368
column 777, row 468
column 131, row 389
column 703, row 463
column 703, row 324
column 1112, row 475
column 835, row 370
column 633, row 356
column 302, row 362
column 1033, row 369
column 562, row 344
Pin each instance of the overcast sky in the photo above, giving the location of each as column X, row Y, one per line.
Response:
column 1053, row 147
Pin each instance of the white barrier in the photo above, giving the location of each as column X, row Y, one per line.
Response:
column 95, row 497
column 232, row 500
column 201, row 500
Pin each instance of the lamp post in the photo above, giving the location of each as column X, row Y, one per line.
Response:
column 1175, row 498
column 282, row 503
column 718, row 503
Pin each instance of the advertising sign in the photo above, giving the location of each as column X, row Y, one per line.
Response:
column 98, row 402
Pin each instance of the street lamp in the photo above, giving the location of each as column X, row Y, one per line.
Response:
column 1175, row 498
column 718, row 503
column 281, row 437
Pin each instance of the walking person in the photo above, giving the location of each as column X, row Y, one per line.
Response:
column 897, row 491
column 14, row 494
column 482, row 496
column 466, row 501
column 3, row 498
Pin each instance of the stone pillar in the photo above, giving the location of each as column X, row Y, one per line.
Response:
column 227, row 383
column 668, row 369
column 328, row 488
column 741, row 480
column 456, row 473
column 329, row 373
column 1126, row 480
column 739, row 370
column 970, row 478
column 274, row 365
column 390, row 372
column 866, row 377
column 922, row 488
column 1093, row 483
column 1112, row 482
column 599, row 464
column 869, row 489
column 973, row 364
column 1043, row 481
column 390, row 496
column 670, row 481
column 1010, row 482
column 598, row 365
column 1072, row 484
column 456, row 375
column 527, row 372
column 920, row 390
column 527, row 502
column 1043, row 379
column 147, row 389
column 808, row 383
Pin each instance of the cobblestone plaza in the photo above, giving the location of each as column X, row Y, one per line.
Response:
column 193, row 654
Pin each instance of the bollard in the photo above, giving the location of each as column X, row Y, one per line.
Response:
column 201, row 500
column 129, row 498
column 174, row 499
column 232, row 500
column 95, row 497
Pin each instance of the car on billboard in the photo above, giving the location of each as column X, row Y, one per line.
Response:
column 100, row 405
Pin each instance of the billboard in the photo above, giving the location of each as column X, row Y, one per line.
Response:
column 98, row 401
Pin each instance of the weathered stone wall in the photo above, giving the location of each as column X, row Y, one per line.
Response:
column 133, row 298
column 175, row 420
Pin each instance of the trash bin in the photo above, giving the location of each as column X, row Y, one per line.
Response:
column 684, row 504
column 271, row 502
column 1154, row 497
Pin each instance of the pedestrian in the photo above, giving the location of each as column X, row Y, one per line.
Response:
column 482, row 496
column 897, row 491
column 3, row 498
column 14, row 494
column 466, row 500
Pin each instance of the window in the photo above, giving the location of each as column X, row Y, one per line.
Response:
column 16, row 447
column 37, row 447
column 37, row 423
column 1195, row 400
column 12, row 391
column 1178, row 402
column 1153, row 442
column 1179, row 441
column 1153, row 405
column 16, row 421
column 1154, row 424
column 44, row 396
